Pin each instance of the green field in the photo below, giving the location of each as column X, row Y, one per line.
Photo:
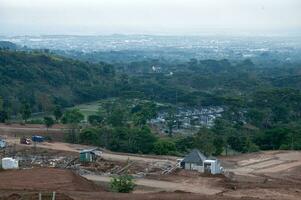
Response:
column 88, row 108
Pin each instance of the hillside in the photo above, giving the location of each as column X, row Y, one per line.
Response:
column 7, row 45
column 42, row 79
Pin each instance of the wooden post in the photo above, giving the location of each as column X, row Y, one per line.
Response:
column 34, row 147
column 53, row 195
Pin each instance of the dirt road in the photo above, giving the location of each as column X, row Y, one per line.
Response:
column 203, row 188
column 266, row 162
column 106, row 154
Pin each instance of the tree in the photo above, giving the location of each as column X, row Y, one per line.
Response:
column 72, row 118
column 57, row 113
column 95, row 119
column 218, row 143
column 274, row 138
column 117, row 118
column 123, row 184
column 25, row 111
column 203, row 140
column 3, row 116
column 3, row 113
column 144, row 112
column 45, row 103
column 1, row 103
column 171, row 121
column 141, row 140
column 164, row 147
column 89, row 136
column 48, row 121
column 236, row 142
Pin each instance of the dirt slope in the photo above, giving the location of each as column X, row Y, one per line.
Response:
column 49, row 179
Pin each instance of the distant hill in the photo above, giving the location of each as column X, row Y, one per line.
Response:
column 43, row 79
column 7, row 45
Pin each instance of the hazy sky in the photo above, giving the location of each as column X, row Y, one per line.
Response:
column 19, row 17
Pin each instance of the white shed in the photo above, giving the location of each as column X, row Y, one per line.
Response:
column 9, row 163
column 212, row 166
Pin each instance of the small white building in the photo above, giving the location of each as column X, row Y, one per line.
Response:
column 9, row 163
column 195, row 160
column 212, row 166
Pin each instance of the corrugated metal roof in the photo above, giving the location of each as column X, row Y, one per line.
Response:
column 195, row 156
column 88, row 150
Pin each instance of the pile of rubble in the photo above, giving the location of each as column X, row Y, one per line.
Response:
column 44, row 161
column 35, row 157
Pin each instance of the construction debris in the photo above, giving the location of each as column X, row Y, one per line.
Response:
column 88, row 161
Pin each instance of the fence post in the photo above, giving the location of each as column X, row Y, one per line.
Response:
column 53, row 195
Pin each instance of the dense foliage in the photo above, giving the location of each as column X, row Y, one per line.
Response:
column 45, row 80
column 262, row 102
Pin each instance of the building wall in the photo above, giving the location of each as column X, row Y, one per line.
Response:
column 194, row 166
column 214, row 166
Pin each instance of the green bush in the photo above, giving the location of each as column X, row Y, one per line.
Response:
column 35, row 121
column 164, row 147
column 123, row 184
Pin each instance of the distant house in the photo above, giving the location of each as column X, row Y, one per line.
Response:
column 194, row 161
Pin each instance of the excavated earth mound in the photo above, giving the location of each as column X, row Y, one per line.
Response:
column 45, row 179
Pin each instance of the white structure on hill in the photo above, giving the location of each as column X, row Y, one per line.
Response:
column 195, row 160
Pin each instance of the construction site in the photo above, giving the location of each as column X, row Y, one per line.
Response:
column 58, row 170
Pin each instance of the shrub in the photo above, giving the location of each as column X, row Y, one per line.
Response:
column 95, row 119
column 123, row 184
column 164, row 147
column 35, row 121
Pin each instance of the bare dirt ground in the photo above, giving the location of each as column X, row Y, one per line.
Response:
column 267, row 175
column 264, row 175
column 27, row 183
column 41, row 179
column 198, row 185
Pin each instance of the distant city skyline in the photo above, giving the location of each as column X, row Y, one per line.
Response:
column 158, row 17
